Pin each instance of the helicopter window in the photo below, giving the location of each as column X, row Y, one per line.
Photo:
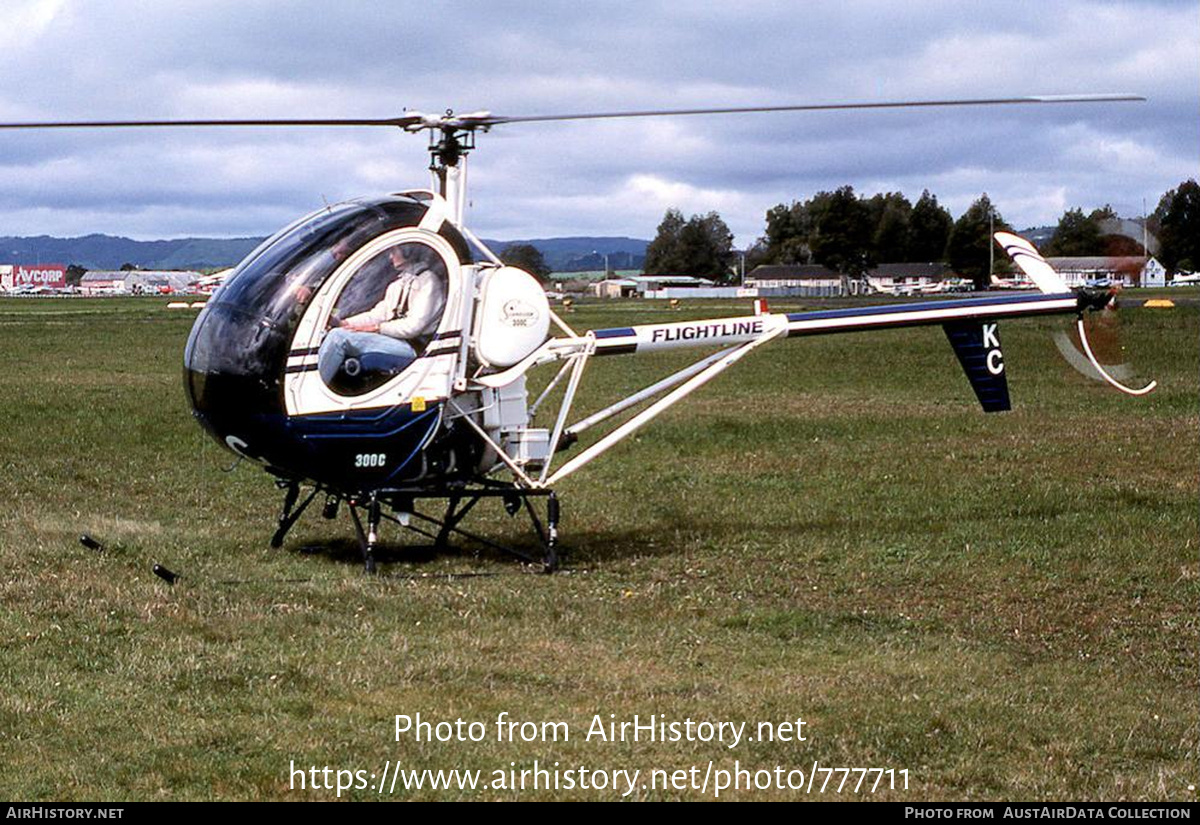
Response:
column 384, row 318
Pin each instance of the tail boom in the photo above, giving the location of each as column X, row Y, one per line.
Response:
column 728, row 331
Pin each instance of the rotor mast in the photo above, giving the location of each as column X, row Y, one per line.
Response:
column 448, row 148
column 451, row 138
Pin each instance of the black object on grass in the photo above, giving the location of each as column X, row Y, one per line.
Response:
column 165, row 574
column 90, row 543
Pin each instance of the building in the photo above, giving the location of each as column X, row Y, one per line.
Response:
column 137, row 282
column 1154, row 273
column 160, row 282
column 1125, row 270
column 614, row 288
column 102, row 283
column 902, row 278
column 799, row 280
column 28, row 277
column 647, row 286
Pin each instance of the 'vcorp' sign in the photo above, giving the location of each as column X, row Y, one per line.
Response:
column 19, row 275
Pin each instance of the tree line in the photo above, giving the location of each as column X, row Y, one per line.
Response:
column 851, row 234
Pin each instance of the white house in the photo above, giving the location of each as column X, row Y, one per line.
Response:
column 1127, row 270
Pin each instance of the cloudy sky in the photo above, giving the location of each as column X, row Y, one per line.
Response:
column 118, row 59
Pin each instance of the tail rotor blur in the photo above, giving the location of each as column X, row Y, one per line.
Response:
column 1095, row 351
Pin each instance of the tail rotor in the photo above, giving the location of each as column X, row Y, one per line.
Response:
column 1095, row 350
column 1102, row 362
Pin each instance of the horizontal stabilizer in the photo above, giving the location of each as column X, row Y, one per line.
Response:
column 977, row 345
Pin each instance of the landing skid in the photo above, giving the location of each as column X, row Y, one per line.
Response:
column 399, row 508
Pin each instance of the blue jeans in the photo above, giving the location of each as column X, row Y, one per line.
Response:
column 354, row 358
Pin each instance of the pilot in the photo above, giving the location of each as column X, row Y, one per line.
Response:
column 393, row 331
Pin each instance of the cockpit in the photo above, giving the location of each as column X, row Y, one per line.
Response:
column 268, row 322
column 384, row 318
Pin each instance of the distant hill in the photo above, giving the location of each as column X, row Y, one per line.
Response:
column 581, row 254
column 1038, row 235
column 108, row 252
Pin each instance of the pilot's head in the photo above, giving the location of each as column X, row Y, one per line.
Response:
column 397, row 256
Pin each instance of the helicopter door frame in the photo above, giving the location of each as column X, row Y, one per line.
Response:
column 426, row 380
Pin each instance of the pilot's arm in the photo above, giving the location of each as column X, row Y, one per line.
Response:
column 385, row 310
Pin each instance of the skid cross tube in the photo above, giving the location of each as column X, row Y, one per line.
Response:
column 459, row 504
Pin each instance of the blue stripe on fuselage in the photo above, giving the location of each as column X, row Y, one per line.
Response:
column 619, row 332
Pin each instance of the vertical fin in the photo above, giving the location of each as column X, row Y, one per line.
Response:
column 977, row 345
column 1032, row 263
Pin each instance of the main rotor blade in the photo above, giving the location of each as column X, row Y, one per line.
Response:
column 822, row 107
column 416, row 121
column 404, row 121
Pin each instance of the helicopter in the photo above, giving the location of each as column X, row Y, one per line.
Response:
column 290, row 364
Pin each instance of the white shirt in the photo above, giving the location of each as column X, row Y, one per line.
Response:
column 411, row 307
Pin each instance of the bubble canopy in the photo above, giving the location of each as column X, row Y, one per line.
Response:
column 237, row 352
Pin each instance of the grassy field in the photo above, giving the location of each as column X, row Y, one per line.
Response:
column 1005, row 605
